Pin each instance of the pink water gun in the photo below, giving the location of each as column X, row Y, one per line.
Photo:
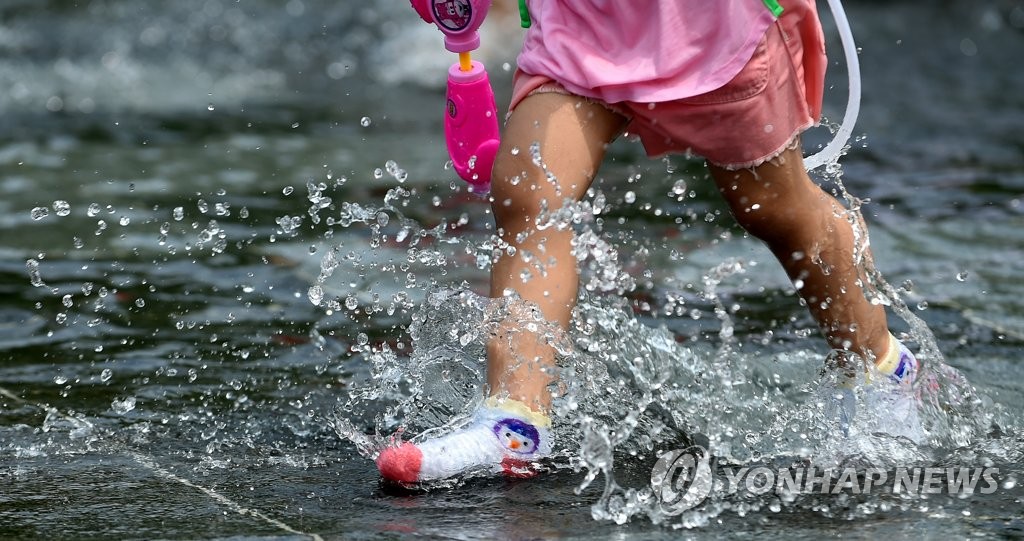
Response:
column 471, row 122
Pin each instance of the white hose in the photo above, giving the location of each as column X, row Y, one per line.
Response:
column 832, row 151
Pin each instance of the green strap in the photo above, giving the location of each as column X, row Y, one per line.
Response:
column 524, row 14
column 774, row 7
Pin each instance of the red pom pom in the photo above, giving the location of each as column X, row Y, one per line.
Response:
column 401, row 463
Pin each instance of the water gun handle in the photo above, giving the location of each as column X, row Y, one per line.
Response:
column 471, row 119
column 471, row 125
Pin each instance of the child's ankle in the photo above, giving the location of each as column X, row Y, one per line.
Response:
column 896, row 361
column 537, row 416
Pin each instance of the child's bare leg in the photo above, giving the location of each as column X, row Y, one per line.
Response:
column 809, row 234
column 571, row 134
column 512, row 429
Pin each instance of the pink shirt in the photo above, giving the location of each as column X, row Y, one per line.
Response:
column 642, row 50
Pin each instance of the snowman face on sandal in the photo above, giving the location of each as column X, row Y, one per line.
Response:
column 517, row 436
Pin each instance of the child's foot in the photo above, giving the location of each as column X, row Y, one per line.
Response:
column 503, row 437
column 890, row 404
column 894, row 400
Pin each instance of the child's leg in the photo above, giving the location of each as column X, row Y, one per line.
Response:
column 811, row 236
column 571, row 134
column 512, row 429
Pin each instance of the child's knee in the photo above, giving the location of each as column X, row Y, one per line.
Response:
column 519, row 191
column 775, row 210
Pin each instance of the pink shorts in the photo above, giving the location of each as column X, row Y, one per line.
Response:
column 753, row 118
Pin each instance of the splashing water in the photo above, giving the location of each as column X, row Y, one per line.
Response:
column 627, row 390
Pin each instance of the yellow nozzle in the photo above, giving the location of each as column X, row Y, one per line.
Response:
column 465, row 61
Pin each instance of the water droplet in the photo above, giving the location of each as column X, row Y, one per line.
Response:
column 106, row 374
column 61, row 207
column 397, row 172
column 351, row 303
column 365, row 122
column 123, row 406
column 210, row 107
column 289, row 224
column 679, row 188
column 961, row 276
column 124, row 220
column 179, row 213
column 316, row 295
column 968, row 47
column 629, row 197
column 287, row 190
column 33, row 273
column 39, row 213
